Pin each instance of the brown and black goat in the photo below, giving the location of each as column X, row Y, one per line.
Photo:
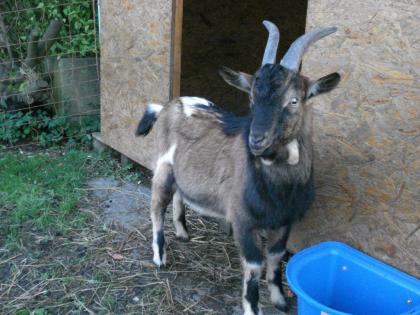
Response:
column 254, row 171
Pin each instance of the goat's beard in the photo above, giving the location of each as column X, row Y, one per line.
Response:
column 276, row 151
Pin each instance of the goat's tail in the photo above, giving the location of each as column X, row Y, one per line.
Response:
column 148, row 119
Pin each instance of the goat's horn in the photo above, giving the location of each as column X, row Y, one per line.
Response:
column 272, row 43
column 294, row 55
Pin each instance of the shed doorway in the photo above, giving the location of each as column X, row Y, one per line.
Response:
column 219, row 33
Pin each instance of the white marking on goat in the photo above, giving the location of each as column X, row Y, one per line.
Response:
column 167, row 157
column 189, row 110
column 266, row 161
column 273, row 262
column 248, row 310
column 156, row 257
column 275, row 295
column 247, row 307
column 190, row 100
column 252, row 267
column 189, row 104
column 154, row 108
column 293, row 149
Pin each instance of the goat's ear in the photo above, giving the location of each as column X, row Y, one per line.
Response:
column 240, row 80
column 323, row 85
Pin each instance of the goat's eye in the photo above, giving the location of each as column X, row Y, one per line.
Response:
column 294, row 101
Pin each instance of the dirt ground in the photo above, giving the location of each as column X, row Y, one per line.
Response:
column 106, row 267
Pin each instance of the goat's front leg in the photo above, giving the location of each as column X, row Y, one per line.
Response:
column 162, row 191
column 276, row 248
column 252, row 264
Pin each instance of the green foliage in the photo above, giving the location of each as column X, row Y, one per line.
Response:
column 77, row 34
column 76, row 39
column 39, row 127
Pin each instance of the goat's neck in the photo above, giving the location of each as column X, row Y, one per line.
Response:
column 293, row 163
column 287, row 153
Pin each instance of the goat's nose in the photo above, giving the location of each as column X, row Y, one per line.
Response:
column 256, row 139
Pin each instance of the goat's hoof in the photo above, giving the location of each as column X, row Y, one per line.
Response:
column 183, row 238
column 249, row 311
column 160, row 263
column 159, row 266
column 282, row 307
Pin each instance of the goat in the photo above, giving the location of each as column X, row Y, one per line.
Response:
column 254, row 171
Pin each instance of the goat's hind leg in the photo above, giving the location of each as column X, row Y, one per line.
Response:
column 179, row 217
column 162, row 191
column 276, row 248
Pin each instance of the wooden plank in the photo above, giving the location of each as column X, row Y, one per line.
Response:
column 98, row 143
column 136, row 44
column 178, row 7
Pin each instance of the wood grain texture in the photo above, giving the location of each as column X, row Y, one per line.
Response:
column 176, row 48
column 367, row 130
column 135, row 69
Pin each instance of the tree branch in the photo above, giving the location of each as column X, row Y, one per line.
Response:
column 5, row 41
column 36, row 89
column 32, row 52
column 39, row 48
column 50, row 36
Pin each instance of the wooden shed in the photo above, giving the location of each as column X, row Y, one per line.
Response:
column 366, row 131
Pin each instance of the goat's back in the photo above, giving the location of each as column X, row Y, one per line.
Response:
column 206, row 161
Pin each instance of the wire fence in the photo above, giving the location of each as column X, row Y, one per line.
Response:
column 49, row 72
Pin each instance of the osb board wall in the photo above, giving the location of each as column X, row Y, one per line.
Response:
column 367, row 131
column 230, row 33
column 135, row 69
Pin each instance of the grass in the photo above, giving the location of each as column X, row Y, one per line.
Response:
column 42, row 191
column 49, row 233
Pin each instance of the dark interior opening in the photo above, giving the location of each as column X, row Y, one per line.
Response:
column 230, row 33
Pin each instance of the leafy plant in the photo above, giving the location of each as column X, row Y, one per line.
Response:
column 76, row 37
column 38, row 126
column 69, row 27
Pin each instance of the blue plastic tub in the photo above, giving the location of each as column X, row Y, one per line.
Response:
column 332, row 278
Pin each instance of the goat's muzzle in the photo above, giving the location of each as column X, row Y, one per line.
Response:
column 258, row 144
